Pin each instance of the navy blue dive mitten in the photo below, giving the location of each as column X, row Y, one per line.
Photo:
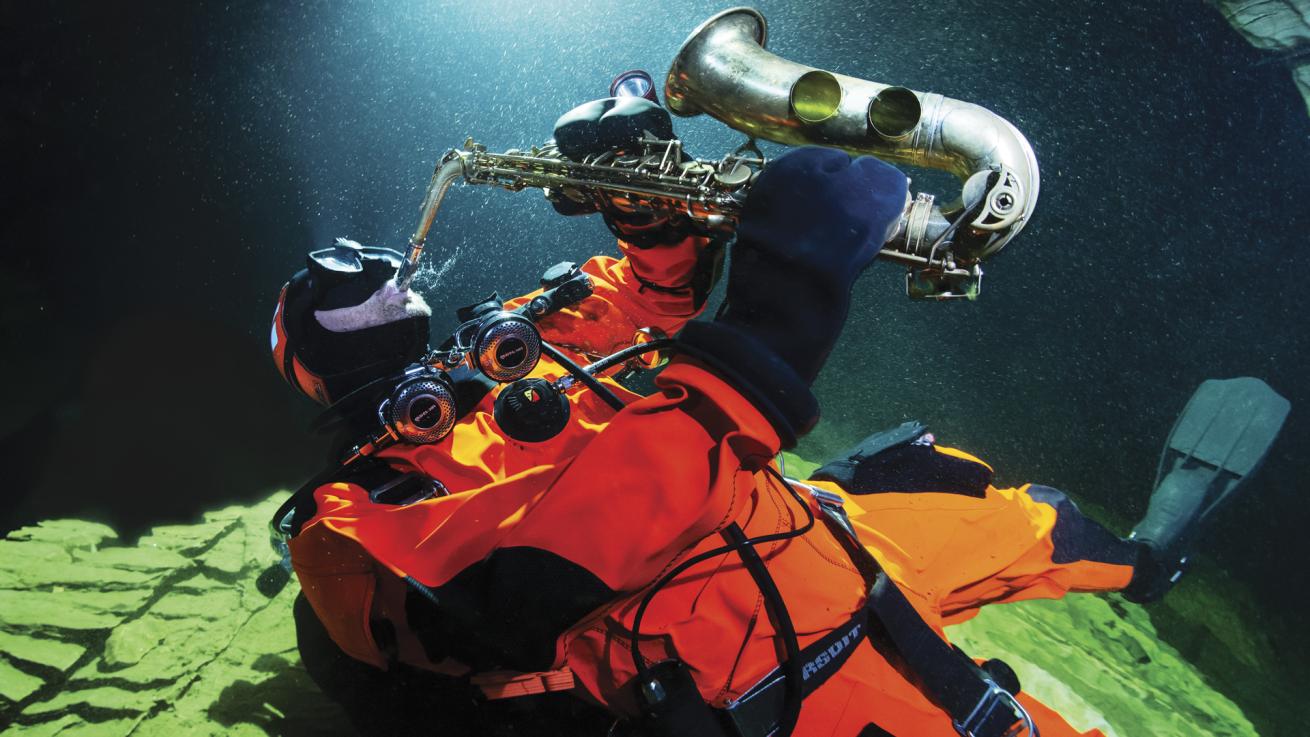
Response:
column 812, row 222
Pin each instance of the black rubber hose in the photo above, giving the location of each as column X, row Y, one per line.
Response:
column 643, row 672
column 633, row 350
column 776, row 606
column 581, row 375
column 664, row 580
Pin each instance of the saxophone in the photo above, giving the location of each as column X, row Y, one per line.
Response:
column 723, row 70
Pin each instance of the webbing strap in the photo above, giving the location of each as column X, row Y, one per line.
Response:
column 977, row 706
column 756, row 712
column 512, row 684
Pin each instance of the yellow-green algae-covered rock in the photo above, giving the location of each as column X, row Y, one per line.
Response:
column 172, row 637
column 1099, row 661
column 169, row 636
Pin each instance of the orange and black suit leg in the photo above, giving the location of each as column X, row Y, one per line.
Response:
column 1077, row 538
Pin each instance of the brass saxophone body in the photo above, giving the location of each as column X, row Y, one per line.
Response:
column 706, row 194
column 722, row 69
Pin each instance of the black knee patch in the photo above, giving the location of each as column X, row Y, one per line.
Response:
column 1077, row 537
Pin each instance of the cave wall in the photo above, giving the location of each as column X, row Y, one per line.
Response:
column 1281, row 27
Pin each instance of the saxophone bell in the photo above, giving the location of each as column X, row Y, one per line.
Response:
column 723, row 70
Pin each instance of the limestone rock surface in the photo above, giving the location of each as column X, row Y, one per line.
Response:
column 1272, row 25
column 1281, row 27
column 1099, row 660
column 172, row 636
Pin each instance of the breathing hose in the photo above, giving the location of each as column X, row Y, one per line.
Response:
column 581, row 374
column 777, row 609
column 631, row 351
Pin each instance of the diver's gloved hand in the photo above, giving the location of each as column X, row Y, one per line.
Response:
column 341, row 323
column 617, row 124
column 610, row 123
column 812, row 222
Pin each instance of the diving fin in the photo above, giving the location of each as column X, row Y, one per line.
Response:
column 1216, row 445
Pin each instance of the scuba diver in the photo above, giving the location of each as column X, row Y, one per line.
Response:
column 517, row 544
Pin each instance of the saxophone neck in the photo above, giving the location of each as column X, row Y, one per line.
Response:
column 452, row 167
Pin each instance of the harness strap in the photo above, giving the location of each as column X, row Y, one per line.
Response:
column 978, row 707
column 755, row 713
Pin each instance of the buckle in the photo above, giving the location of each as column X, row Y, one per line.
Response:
column 996, row 698
column 833, row 506
column 826, row 498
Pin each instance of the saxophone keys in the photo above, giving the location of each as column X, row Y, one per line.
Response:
column 734, row 175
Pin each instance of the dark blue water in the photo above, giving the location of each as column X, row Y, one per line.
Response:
column 167, row 168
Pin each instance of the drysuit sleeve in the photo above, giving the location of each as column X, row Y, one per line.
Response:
column 663, row 286
column 497, row 574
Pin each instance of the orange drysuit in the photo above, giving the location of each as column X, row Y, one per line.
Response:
column 538, row 556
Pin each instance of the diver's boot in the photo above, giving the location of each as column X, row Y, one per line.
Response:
column 1217, row 443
